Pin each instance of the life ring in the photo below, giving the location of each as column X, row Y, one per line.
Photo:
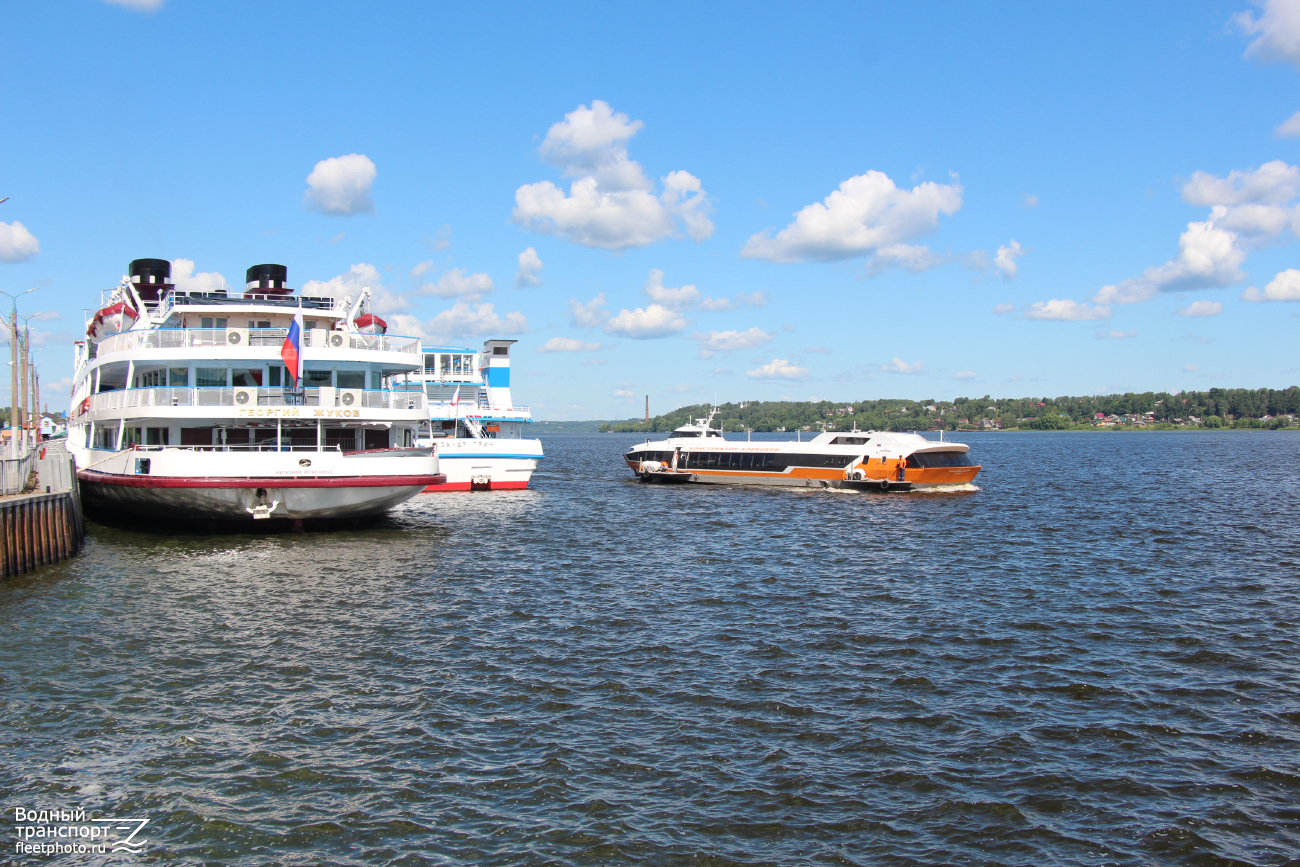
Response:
column 857, row 475
column 884, row 484
column 85, row 407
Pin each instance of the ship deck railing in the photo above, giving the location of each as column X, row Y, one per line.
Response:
column 262, row 446
column 185, row 338
column 160, row 310
column 129, row 398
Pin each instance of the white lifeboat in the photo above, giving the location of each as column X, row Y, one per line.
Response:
column 369, row 323
column 113, row 319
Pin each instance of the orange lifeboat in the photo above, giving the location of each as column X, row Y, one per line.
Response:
column 113, row 319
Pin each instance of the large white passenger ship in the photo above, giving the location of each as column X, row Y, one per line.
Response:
column 183, row 407
column 478, row 430
column 867, row 460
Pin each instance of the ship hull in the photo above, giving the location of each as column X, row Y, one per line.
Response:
column 248, row 499
column 486, row 464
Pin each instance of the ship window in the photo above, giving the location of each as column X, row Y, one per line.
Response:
column 926, row 460
column 309, row 324
column 246, row 378
column 316, row 378
column 351, row 379
column 273, row 375
column 151, row 378
column 376, row 380
column 155, row 436
column 178, row 377
column 850, row 441
column 210, row 377
column 686, row 433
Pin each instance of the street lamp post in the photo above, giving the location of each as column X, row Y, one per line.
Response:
column 30, row 407
column 14, row 419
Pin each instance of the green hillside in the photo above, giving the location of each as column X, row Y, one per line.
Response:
column 1216, row 408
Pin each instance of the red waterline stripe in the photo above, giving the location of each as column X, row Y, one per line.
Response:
column 452, row 487
column 274, row 482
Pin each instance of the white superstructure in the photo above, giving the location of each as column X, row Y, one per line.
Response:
column 182, row 406
column 478, row 431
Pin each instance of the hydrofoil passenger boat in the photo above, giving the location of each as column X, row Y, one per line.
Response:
column 863, row 460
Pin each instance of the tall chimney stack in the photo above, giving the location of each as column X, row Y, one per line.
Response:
column 647, row 407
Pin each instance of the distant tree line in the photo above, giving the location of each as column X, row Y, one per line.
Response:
column 1216, row 408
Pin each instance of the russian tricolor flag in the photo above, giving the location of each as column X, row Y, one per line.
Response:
column 291, row 352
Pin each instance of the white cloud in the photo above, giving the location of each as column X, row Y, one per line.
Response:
column 687, row 296
column 867, row 213
column 1005, row 260
column 457, row 284
column 1208, row 257
column 623, row 392
column 964, row 375
column 778, row 368
column 1030, row 201
column 898, row 365
column 340, row 186
column 737, row 301
column 477, row 320
column 422, row 268
column 138, row 5
column 383, row 300
column 1248, row 208
column 186, row 280
column 655, row 320
column 1003, row 309
column 906, row 256
column 46, row 316
column 727, row 341
column 16, row 243
column 1116, row 335
column 1283, row 287
column 1064, row 310
column 1276, row 32
column 530, row 269
column 1272, row 183
column 1257, row 204
column 1201, row 308
column 405, row 325
column 1191, row 368
column 569, row 344
column 611, row 204
column 1289, row 128
column 589, row 315
column 667, row 296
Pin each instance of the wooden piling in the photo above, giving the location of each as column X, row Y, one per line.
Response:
column 38, row 530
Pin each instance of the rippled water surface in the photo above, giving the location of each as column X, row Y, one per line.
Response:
column 1092, row 659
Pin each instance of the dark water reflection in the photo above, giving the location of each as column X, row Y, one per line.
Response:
column 1090, row 660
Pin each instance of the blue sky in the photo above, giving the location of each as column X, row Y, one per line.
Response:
column 747, row 201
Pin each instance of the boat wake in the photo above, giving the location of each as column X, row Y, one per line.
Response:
column 965, row 487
